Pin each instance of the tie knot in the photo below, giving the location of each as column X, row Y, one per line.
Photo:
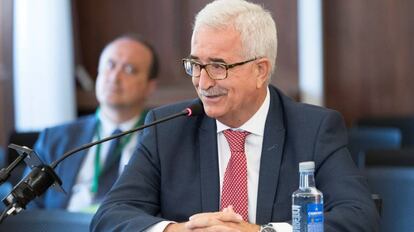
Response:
column 115, row 142
column 116, row 131
column 236, row 139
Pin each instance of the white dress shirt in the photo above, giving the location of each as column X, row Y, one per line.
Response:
column 82, row 197
column 253, row 149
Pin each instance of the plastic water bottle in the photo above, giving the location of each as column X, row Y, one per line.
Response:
column 307, row 202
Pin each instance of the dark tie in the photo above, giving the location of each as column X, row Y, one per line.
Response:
column 110, row 170
column 234, row 190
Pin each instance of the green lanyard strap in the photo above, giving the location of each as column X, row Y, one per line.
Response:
column 124, row 141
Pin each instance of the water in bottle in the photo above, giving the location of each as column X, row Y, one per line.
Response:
column 307, row 202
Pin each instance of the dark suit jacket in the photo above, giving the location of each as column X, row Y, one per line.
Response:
column 51, row 145
column 174, row 173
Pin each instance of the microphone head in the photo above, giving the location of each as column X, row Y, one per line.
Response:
column 33, row 185
column 195, row 109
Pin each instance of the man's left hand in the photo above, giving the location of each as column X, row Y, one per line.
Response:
column 224, row 221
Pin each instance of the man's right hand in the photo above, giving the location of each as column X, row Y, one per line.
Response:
column 224, row 221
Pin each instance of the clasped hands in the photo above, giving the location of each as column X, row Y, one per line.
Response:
column 225, row 221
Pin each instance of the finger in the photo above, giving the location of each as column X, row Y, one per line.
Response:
column 209, row 214
column 217, row 228
column 227, row 216
column 230, row 216
column 212, row 219
column 202, row 221
column 228, row 209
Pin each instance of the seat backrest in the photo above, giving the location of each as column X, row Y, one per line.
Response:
column 391, row 175
column 405, row 124
column 362, row 139
column 47, row 220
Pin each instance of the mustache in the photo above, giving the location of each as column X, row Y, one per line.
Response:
column 212, row 92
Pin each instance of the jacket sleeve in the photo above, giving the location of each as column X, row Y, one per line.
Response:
column 347, row 199
column 133, row 203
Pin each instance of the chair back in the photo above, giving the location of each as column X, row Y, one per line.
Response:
column 47, row 221
column 405, row 124
column 363, row 139
column 390, row 174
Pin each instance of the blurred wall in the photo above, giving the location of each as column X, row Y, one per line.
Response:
column 369, row 57
column 367, row 51
column 43, row 69
column 168, row 25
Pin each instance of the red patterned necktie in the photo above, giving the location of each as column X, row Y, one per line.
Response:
column 234, row 190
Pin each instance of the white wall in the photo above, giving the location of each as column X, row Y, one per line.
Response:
column 311, row 51
column 44, row 83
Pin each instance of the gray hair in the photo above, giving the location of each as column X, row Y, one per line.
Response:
column 255, row 24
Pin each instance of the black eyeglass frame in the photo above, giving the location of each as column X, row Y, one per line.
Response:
column 226, row 66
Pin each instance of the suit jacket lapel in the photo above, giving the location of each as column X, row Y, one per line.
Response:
column 273, row 142
column 209, row 172
column 69, row 170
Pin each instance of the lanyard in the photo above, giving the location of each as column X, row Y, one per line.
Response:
column 124, row 141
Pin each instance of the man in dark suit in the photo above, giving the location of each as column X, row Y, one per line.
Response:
column 126, row 77
column 235, row 167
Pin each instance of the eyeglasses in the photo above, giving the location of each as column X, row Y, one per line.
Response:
column 215, row 70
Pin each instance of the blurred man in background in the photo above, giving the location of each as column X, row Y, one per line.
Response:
column 127, row 70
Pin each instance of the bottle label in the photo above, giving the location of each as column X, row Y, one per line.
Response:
column 296, row 218
column 314, row 217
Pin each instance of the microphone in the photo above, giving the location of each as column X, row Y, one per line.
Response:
column 192, row 110
column 43, row 176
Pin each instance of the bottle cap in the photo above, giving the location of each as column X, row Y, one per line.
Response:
column 308, row 166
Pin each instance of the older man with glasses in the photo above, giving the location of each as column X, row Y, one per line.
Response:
column 234, row 168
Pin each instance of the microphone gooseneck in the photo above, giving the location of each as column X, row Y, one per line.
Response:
column 192, row 110
column 43, row 176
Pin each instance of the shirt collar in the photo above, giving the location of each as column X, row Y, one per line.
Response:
column 256, row 124
column 108, row 126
